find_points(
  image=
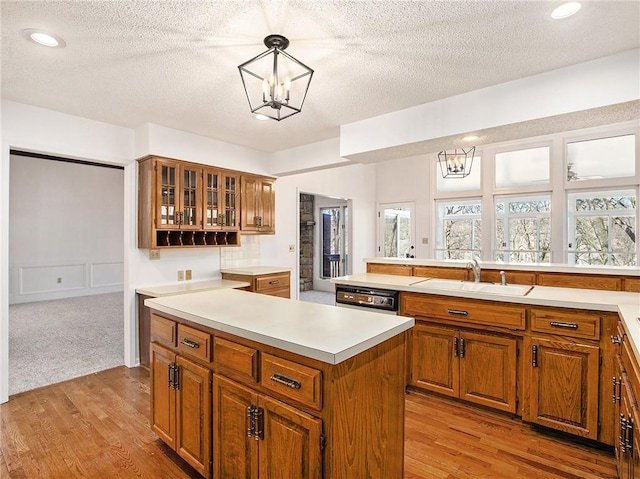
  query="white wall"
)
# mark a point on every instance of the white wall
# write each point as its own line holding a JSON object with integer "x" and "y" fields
{"x": 407, "y": 180}
{"x": 357, "y": 182}
{"x": 65, "y": 229}
{"x": 602, "y": 82}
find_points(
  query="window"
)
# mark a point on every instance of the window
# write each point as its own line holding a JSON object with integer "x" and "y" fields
{"x": 468, "y": 183}
{"x": 601, "y": 158}
{"x": 523, "y": 229}
{"x": 522, "y": 167}
{"x": 459, "y": 229}
{"x": 602, "y": 228}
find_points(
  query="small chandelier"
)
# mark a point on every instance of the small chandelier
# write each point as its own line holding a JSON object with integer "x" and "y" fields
{"x": 457, "y": 163}
{"x": 276, "y": 84}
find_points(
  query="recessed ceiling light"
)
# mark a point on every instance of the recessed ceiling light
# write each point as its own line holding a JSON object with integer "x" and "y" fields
{"x": 43, "y": 38}
{"x": 260, "y": 117}
{"x": 565, "y": 10}
{"x": 471, "y": 138}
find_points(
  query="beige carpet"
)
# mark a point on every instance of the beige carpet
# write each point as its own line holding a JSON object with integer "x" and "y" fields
{"x": 52, "y": 341}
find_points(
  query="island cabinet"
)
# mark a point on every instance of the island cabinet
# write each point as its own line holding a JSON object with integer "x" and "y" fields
{"x": 272, "y": 413}
{"x": 465, "y": 362}
{"x": 625, "y": 385}
{"x": 258, "y": 204}
{"x": 181, "y": 392}
{"x": 270, "y": 283}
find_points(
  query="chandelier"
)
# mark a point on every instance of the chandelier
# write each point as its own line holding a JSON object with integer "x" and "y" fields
{"x": 276, "y": 84}
{"x": 456, "y": 163}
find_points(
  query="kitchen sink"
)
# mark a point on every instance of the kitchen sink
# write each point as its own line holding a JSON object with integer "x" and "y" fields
{"x": 488, "y": 288}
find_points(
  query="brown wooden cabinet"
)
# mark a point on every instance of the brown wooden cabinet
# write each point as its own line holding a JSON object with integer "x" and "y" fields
{"x": 257, "y": 213}
{"x": 477, "y": 367}
{"x": 180, "y": 206}
{"x": 256, "y": 436}
{"x": 276, "y": 414}
{"x": 181, "y": 406}
{"x": 563, "y": 384}
{"x": 272, "y": 284}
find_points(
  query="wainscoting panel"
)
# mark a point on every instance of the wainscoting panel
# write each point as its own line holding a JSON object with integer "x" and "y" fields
{"x": 106, "y": 274}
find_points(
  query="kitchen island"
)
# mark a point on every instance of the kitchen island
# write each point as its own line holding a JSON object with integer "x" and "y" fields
{"x": 248, "y": 385}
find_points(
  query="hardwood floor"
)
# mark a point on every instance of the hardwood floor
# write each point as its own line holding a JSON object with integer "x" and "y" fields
{"x": 97, "y": 426}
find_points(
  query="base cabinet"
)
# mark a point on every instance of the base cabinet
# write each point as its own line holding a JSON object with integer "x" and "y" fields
{"x": 181, "y": 406}
{"x": 563, "y": 385}
{"x": 476, "y": 367}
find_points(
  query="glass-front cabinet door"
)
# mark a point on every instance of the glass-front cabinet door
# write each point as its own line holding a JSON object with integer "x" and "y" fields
{"x": 168, "y": 212}
{"x": 189, "y": 211}
{"x": 230, "y": 201}
{"x": 220, "y": 200}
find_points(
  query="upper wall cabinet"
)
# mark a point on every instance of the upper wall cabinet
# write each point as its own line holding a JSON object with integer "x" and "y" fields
{"x": 257, "y": 205}
{"x": 183, "y": 204}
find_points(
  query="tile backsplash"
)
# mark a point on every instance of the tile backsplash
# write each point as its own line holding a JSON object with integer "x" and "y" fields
{"x": 247, "y": 254}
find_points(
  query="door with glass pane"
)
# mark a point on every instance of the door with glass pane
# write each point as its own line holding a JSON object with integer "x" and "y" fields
{"x": 396, "y": 230}
{"x": 333, "y": 241}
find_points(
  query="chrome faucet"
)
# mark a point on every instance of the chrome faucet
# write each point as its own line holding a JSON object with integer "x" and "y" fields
{"x": 475, "y": 266}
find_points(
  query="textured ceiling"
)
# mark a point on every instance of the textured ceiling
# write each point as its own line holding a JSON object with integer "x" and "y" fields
{"x": 175, "y": 63}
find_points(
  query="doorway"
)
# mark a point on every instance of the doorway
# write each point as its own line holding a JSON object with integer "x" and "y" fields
{"x": 324, "y": 245}
{"x": 396, "y": 230}
{"x": 66, "y": 269}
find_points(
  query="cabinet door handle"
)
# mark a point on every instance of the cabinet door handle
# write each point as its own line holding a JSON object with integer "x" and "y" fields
{"x": 561, "y": 324}
{"x": 176, "y": 376}
{"x": 455, "y": 347}
{"x": 629, "y": 435}
{"x": 170, "y": 374}
{"x": 275, "y": 281}
{"x": 617, "y": 386}
{"x": 287, "y": 381}
{"x": 259, "y": 432}
{"x": 616, "y": 339}
{"x": 190, "y": 342}
{"x": 251, "y": 419}
{"x": 462, "y": 347}
{"x": 458, "y": 312}
{"x": 622, "y": 440}
{"x": 534, "y": 356}
{"x": 258, "y": 221}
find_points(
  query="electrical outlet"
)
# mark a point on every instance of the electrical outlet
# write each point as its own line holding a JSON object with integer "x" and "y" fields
{"x": 59, "y": 280}
{"x": 154, "y": 254}
{"x": 425, "y": 240}
{"x": 187, "y": 275}
{"x": 292, "y": 248}
{"x": 181, "y": 275}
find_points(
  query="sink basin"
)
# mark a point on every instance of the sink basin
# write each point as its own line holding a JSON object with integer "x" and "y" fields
{"x": 488, "y": 288}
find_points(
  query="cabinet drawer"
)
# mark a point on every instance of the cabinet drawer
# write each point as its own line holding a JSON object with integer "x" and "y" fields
{"x": 236, "y": 359}
{"x": 163, "y": 330}
{"x": 466, "y": 311}
{"x": 293, "y": 380}
{"x": 264, "y": 284}
{"x": 193, "y": 342}
{"x": 577, "y": 324}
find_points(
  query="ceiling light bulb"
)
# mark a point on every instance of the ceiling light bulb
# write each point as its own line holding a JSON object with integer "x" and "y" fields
{"x": 565, "y": 10}
{"x": 260, "y": 117}
{"x": 43, "y": 38}
{"x": 470, "y": 138}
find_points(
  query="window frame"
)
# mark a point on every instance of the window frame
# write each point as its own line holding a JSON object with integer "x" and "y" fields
{"x": 440, "y": 204}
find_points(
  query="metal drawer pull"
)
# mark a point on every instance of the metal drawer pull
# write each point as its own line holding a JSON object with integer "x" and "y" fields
{"x": 616, "y": 339}
{"x": 289, "y": 382}
{"x": 459, "y": 312}
{"x": 191, "y": 343}
{"x": 275, "y": 281}
{"x": 560, "y": 324}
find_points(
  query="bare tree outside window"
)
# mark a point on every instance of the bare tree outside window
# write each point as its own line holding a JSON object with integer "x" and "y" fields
{"x": 460, "y": 230}
{"x": 603, "y": 228}
{"x": 523, "y": 230}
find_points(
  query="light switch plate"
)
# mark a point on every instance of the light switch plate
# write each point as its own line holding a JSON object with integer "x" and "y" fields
{"x": 187, "y": 275}
{"x": 181, "y": 275}
{"x": 292, "y": 248}
{"x": 425, "y": 240}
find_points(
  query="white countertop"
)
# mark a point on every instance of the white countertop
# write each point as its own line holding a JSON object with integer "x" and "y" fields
{"x": 626, "y": 304}
{"x": 256, "y": 270}
{"x": 541, "y": 267}
{"x": 317, "y": 331}
{"x": 185, "y": 287}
